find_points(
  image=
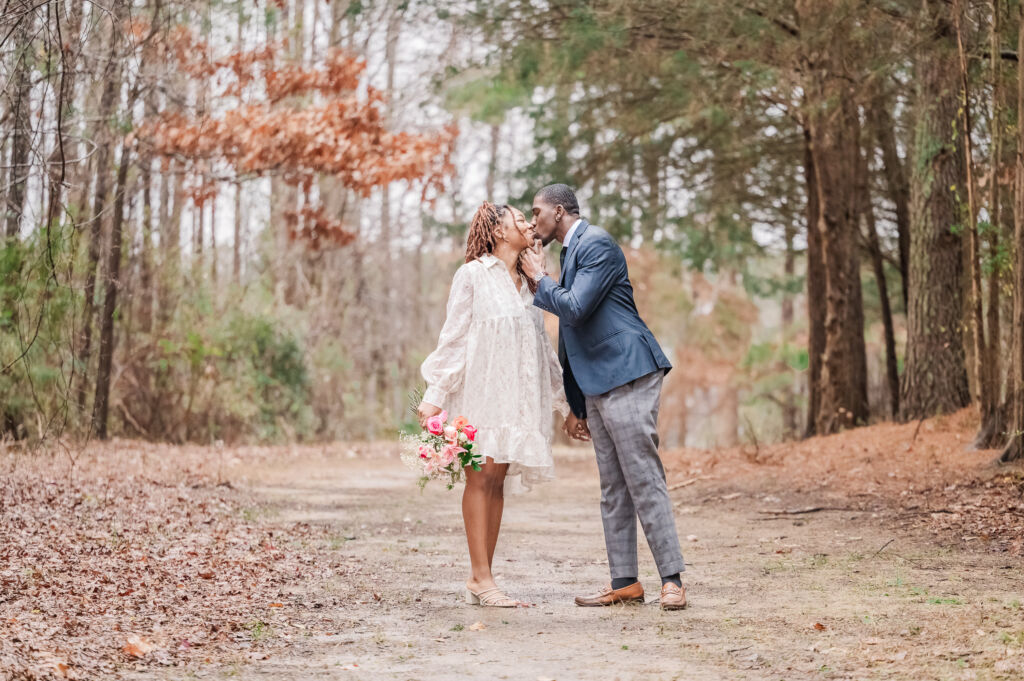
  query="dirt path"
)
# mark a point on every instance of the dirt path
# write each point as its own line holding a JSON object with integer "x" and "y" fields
{"x": 793, "y": 597}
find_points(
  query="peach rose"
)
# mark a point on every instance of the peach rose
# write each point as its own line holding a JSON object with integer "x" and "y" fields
{"x": 460, "y": 422}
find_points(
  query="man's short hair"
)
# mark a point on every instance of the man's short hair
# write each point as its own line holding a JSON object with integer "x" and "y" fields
{"x": 560, "y": 195}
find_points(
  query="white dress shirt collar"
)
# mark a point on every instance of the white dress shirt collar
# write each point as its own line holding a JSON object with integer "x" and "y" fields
{"x": 572, "y": 230}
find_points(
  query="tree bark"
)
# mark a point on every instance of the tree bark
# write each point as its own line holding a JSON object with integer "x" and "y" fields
{"x": 815, "y": 284}
{"x": 20, "y": 111}
{"x": 993, "y": 426}
{"x": 104, "y": 143}
{"x": 789, "y": 414}
{"x": 878, "y": 265}
{"x": 835, "y": 146}
{"x": 935, "y": 377}
{"x": 897, "y": 186}
{"x": 979, "y": 353}
{"x": 101, "y": 402}
{"x": 1014, "y": 450}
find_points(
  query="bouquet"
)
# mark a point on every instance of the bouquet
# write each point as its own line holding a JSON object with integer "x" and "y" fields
{"x": 442, "y": 451}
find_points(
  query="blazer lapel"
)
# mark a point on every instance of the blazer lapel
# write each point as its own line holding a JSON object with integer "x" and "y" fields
{"x": 570, "y": 247}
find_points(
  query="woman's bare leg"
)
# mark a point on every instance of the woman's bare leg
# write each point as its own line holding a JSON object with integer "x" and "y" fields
{"x": 477, "y": 500}
{"x": 497, "y": 505}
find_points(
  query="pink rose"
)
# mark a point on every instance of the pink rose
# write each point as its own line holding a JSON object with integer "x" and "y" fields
{"x": 470, "y": 432}
{"x": 435, "y": 425}
{"x": 426, "y": 452}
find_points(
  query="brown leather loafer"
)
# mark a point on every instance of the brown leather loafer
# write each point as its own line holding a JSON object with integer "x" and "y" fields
{"x": 634, "y": 593}
{"x": 673, "y": 597}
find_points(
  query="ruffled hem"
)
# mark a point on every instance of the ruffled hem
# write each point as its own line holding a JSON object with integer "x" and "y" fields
{"x": 528, "y": 454}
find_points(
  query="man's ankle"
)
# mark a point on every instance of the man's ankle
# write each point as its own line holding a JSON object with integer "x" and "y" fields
{"x": 675, "y": 579}
{"x": 622, "y": 582}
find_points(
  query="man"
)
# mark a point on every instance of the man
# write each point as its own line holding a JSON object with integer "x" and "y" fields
{"x": 612, "y": 369}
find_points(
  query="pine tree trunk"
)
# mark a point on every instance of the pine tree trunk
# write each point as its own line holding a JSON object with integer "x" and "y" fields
{"x": 104, "y": 144}
{"x": 815, "y": 284}
{"x": 20, "y": 110}
{"x": 897, "y": 186}
{"x": 993, "y": 425}
{"x": 979, "y": 346}
{"x": 789, "y": 426}
{"x": 1015, "y": 447}
{"x": 878, "y": 265}
{"x": 101, "y": 404}
{"x": 835, "y": 147}
{"x": 935, "y": 376}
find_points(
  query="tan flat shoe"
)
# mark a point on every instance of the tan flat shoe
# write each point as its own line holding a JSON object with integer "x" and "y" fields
{"x": 491, "y": 598}
{"x": 634, "y": 593}
{"x": 673, "y": 597}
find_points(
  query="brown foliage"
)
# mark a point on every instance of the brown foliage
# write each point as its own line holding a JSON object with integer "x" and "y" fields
{"x": 297, "y": 122}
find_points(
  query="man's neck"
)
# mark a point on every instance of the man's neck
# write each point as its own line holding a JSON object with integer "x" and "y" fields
{"x": 563, "y": 228}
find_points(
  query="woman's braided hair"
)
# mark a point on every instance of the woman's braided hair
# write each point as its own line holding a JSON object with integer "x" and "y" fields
{"x": 482, "y": 236}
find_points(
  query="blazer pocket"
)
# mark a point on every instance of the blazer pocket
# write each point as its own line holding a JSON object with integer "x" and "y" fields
{"x": 608, "y": 346}
{"x": 604, "y": 338}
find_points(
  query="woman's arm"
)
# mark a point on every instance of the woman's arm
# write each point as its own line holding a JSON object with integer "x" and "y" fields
{"x": 558, "y": 401}
{"x": 445, "y": 367}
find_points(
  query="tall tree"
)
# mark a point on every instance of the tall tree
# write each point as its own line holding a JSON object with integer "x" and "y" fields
{"x": 101, "y": 403}
{"x": 19, "y": 107}
{"x": 935, "y": 377}
{"x": 104, "y": 139}
{"x": 1014, "y": 450}
{"x": 833, "y": 125}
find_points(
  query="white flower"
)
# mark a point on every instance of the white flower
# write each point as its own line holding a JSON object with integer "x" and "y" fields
{"x": 449, "y": 433}
{"x": 463, "y": 439}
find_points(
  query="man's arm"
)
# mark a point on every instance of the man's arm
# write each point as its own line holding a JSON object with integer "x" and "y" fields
{"x": 595, "y": 275}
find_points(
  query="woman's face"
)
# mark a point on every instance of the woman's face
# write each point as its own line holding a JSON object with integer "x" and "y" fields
{"x": 518, "y": 231}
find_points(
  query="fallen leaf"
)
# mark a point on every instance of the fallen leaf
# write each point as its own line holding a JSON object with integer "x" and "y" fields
{"x": 137, "y": 646}
{"x": 819, "y": 626}
{"x": 477, "y": 626}
{"x": 277, "y": 605}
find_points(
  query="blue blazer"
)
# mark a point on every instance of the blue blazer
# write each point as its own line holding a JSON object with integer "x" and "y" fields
{"x": 602, "y": 342}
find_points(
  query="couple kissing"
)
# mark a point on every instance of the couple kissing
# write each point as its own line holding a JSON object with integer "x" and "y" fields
{"x": 495, "y": 365}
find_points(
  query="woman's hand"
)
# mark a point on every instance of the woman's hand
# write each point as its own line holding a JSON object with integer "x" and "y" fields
{"x": 576, "y": 428}
{"x": 532, "y": 260}
{"x": 425, "y": 411}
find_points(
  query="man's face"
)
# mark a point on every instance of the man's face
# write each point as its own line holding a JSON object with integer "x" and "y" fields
{"x": 545, "y": 219}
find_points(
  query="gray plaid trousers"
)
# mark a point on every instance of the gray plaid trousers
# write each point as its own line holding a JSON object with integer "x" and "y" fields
{"x": 624, "y": 428}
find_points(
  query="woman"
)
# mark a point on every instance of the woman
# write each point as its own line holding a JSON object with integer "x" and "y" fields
{"x": 495, "y": 365}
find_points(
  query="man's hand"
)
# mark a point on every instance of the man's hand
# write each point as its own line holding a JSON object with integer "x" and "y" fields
{"x": 576, "y": 428}
{"x": 425, "y": 411}
{"x": 533, "y": 263}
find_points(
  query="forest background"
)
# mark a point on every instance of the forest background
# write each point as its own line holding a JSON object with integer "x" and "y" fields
{"x": 237, "y": 221}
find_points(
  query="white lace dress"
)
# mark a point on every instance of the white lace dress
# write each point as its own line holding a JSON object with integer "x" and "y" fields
{"x": 494, "y": 364}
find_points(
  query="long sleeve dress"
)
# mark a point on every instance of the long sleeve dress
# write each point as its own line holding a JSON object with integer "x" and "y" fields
{"x": 494, "y": 364}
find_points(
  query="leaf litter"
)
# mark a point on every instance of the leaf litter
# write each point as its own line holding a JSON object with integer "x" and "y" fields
{"x": 141, "y": 555}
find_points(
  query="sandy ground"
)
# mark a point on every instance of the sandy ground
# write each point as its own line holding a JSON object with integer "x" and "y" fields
{"x": 824, "y": 595}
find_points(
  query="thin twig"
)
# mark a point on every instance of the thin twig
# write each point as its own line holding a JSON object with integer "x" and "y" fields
{"x": 883, "y": 547}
